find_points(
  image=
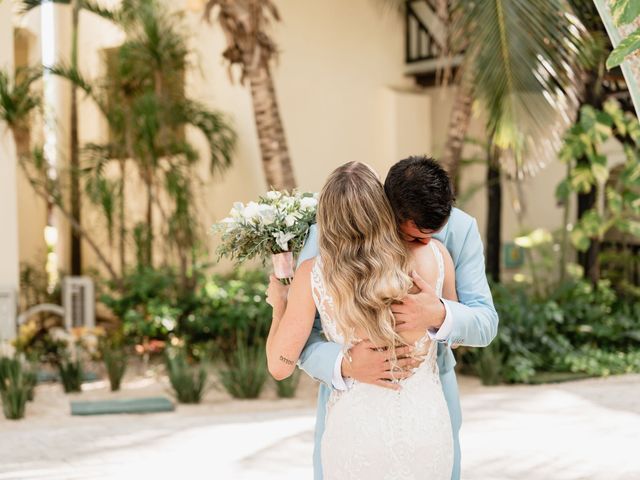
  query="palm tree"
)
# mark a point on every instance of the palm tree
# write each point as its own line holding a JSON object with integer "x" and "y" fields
{"x": 74, "y": 155}
{"x": 245, "y": 24}
{"x": 521, "y": 62}
{"x": 18, "y": 103}
{"x": 144, "y": 104}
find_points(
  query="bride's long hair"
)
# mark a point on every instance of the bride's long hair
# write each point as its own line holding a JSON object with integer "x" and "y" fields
{"x": 364, "y": 261}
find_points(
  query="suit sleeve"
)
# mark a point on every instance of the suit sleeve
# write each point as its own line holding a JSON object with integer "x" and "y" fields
{"x": 474, "y": 317}
{"x": 318, "y": 358}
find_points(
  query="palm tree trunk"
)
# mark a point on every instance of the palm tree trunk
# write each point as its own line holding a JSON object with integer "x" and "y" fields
{"x": 494, "y": 213}
{"x": 74, "y": 160}
{"x": 149, "y": 237}
{"x": 459, "y": 121}
{"x": 589, "y": 259}
{"x": 22, "y": 139}
{"x": 273, "y": 145}
{"x": 102, "y": 258}
{"x": 121, "y": 217}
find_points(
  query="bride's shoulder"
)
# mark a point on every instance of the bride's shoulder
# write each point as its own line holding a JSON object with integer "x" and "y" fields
{"x": 306, "y": 266}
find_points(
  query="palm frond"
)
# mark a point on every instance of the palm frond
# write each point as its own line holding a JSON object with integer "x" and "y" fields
{"x": 524, "y": 58}
{"x": 79, "y": 80}
{"x": 28, "y": 5}
{"x": 17, "y": 98}
{"x": 107, "y": 13}
{"x": 220, "y": 136}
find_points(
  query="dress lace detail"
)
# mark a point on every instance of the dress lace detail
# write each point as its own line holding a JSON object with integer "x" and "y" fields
{"x": 376, "y": 433}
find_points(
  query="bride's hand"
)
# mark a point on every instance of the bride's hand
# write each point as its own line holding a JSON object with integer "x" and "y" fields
{"x": 277, "y": 293}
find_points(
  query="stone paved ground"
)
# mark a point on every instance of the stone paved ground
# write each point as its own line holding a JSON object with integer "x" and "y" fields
{"x": 586, "y": 430}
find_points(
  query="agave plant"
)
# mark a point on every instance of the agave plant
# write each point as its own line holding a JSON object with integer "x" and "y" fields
{"x": 188, "y": 381}
{"x": 287, "y": 388}
{"x": 115, "y": 361}
{"x": 246, "y": 370}
{"x": 16, "y": 387}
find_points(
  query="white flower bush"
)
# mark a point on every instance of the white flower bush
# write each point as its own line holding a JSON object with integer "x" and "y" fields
{"x": 278, "y": 222}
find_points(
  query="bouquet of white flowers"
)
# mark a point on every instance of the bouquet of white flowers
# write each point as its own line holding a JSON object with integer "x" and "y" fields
{"x": 276, "y": 225}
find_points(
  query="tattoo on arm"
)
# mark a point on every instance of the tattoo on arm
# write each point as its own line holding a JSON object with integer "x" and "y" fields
{"x": 286, "y": 360}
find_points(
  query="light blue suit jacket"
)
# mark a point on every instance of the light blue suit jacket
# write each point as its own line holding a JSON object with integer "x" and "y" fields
{"x": 475, "y": 323}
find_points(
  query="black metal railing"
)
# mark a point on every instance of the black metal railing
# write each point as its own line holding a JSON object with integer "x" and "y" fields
{"x": 420, "y": 44}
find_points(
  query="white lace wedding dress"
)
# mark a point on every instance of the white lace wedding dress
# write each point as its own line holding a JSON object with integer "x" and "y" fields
{"x": 377, "y": 433}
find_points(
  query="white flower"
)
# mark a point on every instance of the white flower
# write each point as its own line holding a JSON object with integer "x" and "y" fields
{"x": 273, "y": 195}
{"x": 236, "y": 211}
{"x": 282, "y": 239}
{"x": 60, "y": 335}
{"x": 308, "y": 203}
{"x": 267, "y": 214}
{"x": 288, "y": 202}
{"x": 251, "y": 211}
{"x": 290, "y": 220}
{"x": 6, "y": 349}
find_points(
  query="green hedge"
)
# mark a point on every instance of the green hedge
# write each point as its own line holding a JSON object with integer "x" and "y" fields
{"x": 578, "y": 328}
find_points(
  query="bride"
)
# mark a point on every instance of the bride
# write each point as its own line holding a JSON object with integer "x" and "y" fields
{"x": 363, "y": 267}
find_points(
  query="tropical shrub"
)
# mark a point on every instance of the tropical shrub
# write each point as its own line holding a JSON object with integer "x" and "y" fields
{"x": 287, "y": 388}
{"x": 245, "y": 372}
{"x": 577, "y": 328}
{"x": 188, "y": 381}
{"x": 17, "y": 384}
{"x": 230, "y": 307}
{"x": 115, "y": 359}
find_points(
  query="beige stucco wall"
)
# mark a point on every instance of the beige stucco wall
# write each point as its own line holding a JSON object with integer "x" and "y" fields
{"x": 8, "y": 187}
{"x": 343, "y": 96}
{"x": 341, "y": 87}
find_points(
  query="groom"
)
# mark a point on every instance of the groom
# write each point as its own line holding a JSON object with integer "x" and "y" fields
{"x": 420, "y": 194}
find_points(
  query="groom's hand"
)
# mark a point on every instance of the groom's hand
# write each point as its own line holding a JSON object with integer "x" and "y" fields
{"x": 420, "y": 311}
{"x": 368, "y": 364}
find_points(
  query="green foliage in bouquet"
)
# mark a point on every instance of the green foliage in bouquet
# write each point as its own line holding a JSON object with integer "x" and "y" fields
{"x": 277, "y": 223}
{"x": 188, "y": 381}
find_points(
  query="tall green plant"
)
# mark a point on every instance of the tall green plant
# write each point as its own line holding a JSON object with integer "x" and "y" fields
{"x": 246, "y": 371}
{"x": 520, "y": 61}
{"x": 147, "y": 111}
{"x": 621, "y": 208}
{"x": 250, "y": 45}
{"x": 74, "y": 146}
{"x": 188, "y": 381}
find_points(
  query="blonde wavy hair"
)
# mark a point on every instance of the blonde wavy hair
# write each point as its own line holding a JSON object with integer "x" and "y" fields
{"x": 364, "y": 261}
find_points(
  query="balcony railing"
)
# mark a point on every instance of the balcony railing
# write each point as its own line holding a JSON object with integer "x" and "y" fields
{"x": 425, "y": 40}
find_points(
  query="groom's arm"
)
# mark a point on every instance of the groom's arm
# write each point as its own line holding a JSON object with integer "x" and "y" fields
{"x": 320, "y": 358}
{"x": 472, "y": 320}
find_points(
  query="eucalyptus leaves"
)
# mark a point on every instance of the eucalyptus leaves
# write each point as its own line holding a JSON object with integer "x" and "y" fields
{"x": 278, "y": 222}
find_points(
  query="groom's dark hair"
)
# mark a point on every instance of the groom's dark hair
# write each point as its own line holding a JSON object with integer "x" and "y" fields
{"x": 419, "y": 189}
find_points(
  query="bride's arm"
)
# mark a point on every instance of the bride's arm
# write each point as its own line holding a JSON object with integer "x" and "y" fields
{"x": 293, "y": 315}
